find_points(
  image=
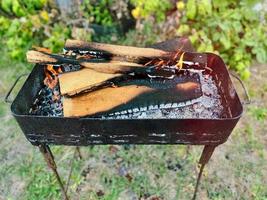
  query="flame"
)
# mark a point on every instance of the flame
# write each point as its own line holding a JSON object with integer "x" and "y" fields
{"x": 160, "y": 62}
{"x": 180, "y": 62}
{"x": 51, "y": 75}
{"x": 54, "y": 70}
{"x": 51, "y": 82}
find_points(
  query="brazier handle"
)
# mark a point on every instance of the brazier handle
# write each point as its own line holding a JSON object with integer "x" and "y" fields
{"x": 7, "y": 100}
{"x": 248, "y": 100}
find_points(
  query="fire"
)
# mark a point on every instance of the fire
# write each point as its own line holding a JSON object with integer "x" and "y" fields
{"x": 180, "y": 62}
{"x": 51, "y": 75}
{"x": 50, "y": 82}
{"x": 161, "y": 62}
{"x": 54, "y": 70}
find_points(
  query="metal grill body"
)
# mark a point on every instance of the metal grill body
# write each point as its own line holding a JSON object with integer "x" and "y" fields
{"x": 43, "y": 130}
{"x": 87, "y": 131}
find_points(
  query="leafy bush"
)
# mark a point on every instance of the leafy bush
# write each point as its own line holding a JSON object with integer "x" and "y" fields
{"x": 98, "y": 11}
{"x": 59, "y": 33}
{"x": 144, "y": 9}
{"x": 21, "y": 8}
{"x": 26, "y": 23}
{"x": 231, "y": 28}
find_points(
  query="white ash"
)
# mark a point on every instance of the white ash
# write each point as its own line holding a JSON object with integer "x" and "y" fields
{"x": 208, "y": 106}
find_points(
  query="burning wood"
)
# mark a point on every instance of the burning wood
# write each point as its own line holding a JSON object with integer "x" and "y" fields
{"x": 97, "y": 65}
{"x": 130, "y": 95}
{"x": 111, "y": 66}
{"x": 90, "y": 90}
{"x": 132, "y": 54}
{"x": 144, "y": 56}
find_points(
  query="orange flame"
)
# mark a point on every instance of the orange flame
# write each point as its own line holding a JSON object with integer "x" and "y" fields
{"x": 54, "y": 70}
{"x": 160, "y": 62}
{"x": 51, "y": 76}
{"x": 180, "y": 62}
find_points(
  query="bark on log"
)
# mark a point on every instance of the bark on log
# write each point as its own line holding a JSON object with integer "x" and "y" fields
{"x": 94, "y": 64}
{"x": 164, "y": 50}
{"x": 116, "y": 50}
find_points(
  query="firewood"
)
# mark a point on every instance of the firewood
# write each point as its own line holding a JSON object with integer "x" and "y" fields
{"x": 164, "y": 50}
{"x": 116, "y": 50}
{"x": 129, "y": 96}
{"x": 73, "y": 83}
{"x": 94, "y": 64}
{"x": 144, "y": 55}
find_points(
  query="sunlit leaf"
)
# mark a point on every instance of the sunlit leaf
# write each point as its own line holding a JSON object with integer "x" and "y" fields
{"x": 261, "y": 55}
{"x": 225, "y": 41}
{"x": 191, "y": 9}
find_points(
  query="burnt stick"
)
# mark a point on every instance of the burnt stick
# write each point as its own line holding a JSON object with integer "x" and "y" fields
{"x": 94, "y": 64}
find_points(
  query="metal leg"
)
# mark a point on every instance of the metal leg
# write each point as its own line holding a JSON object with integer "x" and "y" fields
{"x": 49, "y": 158}
{"x": 79, "y": 152}
{"x": 205, "y": 156}
{"x": 76, "y": 151}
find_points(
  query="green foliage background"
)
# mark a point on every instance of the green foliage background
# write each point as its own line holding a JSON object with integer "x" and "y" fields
{"x": 229, "y": 28}
{"x": 233, "y": 29}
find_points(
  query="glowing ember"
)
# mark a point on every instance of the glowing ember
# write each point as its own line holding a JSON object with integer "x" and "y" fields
{"x": 51, "y": 82}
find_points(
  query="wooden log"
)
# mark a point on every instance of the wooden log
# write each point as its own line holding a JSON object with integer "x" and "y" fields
{"x": 129, "y": 96}
{"x": 97, "y": 65}
{"x": 162, "y": 51}
{"x": 101, "y": 100}
{"x": 84, "y": 80}
{"x": 116, "y": 50}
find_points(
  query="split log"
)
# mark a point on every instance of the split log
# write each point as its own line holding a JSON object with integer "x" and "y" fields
{"x": 186, "y": 60}
{"x": 134, "y": 54}
{"x": 143, "y": 55}
{"x": 87, "y": 80}
{"x": 84, "y": 80}
{"x": 116, "y": 50}
{"x": 94, "y": 64}
{"x": 130, "y": 95}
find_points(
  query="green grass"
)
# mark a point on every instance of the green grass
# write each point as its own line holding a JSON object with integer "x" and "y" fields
{"x": 238, "y": 169}
{"x": 258, "y": 113}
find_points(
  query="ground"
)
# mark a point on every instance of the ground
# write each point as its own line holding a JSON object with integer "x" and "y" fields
{"x": 237, "y": 170}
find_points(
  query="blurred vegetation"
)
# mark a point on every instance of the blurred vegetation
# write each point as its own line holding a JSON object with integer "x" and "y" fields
{"x": 236, "y": 30}
{"x": 229, "y": 28}
{"x": 98, "y": 12}
{"x": 145, "y": 9}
